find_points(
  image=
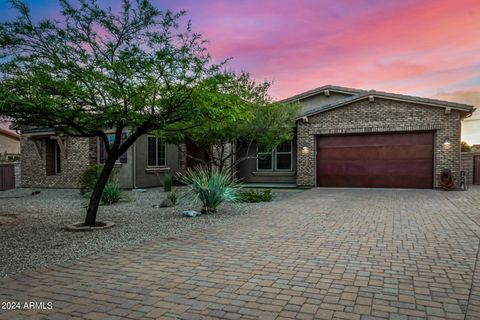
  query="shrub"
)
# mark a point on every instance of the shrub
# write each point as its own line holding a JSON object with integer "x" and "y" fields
{"x": 173, "y": 197}
{"x": 89, "y": 178}
{"x": 167, "y": 182}
{"x": 465, "y": 147}
{"x": 211, "y": 187}
{"x": 112, "y": 193}
{"x": 255, "y": 196}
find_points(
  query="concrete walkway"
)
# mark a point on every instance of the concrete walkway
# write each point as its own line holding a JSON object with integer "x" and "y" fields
{"x": 322, "y": 254}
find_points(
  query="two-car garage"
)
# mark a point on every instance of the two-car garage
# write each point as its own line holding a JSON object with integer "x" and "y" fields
{"x": 371, "y": 139}
{"x": 388, "y": 160}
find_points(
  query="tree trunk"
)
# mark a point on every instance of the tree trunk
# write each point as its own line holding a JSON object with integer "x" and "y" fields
{"x": 96, "y": 196}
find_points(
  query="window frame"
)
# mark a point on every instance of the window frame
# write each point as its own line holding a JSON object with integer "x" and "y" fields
{"x": 271, "y": 161}
{"x": 157, "y": 139}
{"x": 274, "y": 161}
{"x": 283, "y": 152}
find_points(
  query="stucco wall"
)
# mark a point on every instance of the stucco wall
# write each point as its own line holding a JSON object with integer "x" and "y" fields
{"x": 9, "y": 145}
{"x": 321, "y": 99}
{"x": 153, "y": 176}
{"x": 381, "y": 115}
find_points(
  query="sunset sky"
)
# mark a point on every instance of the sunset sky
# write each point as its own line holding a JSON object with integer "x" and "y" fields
{"x": 428, "y": 48}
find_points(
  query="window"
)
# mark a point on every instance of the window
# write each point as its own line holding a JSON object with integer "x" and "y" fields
{"x": 279, "y": 159}
{"x": 53, "y": 157}
{"x": 283, "y": 156}
{"x": 264, "y": 159}
{"x": 111, "y": 139}
{"x": 156, "y": 152}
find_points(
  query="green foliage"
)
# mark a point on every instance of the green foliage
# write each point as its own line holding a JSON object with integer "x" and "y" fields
{"x": 173, "y": 196}
{"x": 255, "y": 196}
{"x": 94, "y": 68}
{"x": 141, "y": 68}
{"x": 255, "y": 118}
{"x": 112, "y": 193}
{"x": 465, "y": 147}
{"x": 167, "y": 182}
{"x": 89, "y": 178}
{"x": 211, "y": 187}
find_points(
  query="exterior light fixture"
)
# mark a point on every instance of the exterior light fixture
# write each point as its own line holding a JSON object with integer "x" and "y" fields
{"x": 446, "y": 143}
{"x": 305, "y": 150}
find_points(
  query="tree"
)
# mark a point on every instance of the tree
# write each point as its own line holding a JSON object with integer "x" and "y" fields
{"x": 139, "y": 70}
{"x": 465, "y": 147}
{"x": 262, "y": 121}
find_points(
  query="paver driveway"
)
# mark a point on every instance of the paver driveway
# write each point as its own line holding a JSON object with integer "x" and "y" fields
{"x": 324, "y": 253}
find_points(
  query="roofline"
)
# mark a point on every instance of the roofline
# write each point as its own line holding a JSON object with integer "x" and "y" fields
{"x": 10, "y": 133}
{"x": 423, "y": 101}
{"x": 38, "y": 132}
{"x": 318, "y": 90}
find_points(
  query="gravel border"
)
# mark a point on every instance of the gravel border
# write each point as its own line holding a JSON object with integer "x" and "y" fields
{"x": 38, "y": 238}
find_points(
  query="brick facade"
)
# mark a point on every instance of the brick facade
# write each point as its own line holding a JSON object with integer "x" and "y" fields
{"x": 80, "y": 152}
{"x": 381, "y": 115}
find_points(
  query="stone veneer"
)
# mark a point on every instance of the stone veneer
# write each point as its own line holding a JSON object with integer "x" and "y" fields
{"x": 80, "y": 152}
{"x": 381, "y": 115}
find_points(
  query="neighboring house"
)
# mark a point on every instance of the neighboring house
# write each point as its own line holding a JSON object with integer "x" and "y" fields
{"x": 471, "y": 128}
{"x": 475, "y": 147}
{"x": 9, "y": 145}
{"x": 344, "y": 138}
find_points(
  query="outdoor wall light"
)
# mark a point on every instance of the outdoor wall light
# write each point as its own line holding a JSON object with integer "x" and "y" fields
{"x": 305, "y": 150}
{"x": 446, "y": 143}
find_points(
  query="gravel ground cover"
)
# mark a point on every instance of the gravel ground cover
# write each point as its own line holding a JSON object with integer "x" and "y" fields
{"x": 32, "y": 231}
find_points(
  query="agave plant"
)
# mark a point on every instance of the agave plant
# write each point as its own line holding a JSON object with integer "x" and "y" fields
{"x": 210, "y": 186}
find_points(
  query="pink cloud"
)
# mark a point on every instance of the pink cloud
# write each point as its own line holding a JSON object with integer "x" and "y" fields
{"x": 409, "y": 46}
{"x": 394, "y": 45}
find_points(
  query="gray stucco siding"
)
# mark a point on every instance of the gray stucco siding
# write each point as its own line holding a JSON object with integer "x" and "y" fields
{"x": 147, "y": 176}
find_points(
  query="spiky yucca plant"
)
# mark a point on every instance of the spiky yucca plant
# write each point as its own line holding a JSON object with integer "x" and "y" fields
{"x": 210, "y": 186}
{"x": 112, "y": 193}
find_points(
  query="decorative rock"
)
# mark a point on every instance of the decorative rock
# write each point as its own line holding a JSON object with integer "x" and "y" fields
{"x": 166, "y": 203}
{"x": 191, "y": 213}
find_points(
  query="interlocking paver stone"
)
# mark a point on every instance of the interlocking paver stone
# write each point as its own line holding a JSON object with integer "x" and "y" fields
{"x": 323, "y": 253}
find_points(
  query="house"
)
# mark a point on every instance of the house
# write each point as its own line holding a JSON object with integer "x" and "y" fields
{"x": 9, "y": 145}
{"x": 344, "y": 138}
{"x": 53, "y": 160}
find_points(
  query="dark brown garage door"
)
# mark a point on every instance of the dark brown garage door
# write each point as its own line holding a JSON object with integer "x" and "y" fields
{"x": 400, "y": 160}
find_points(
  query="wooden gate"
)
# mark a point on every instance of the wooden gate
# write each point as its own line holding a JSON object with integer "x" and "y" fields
{"x": 7, "y": 176}
{"x": 476, "y": 170}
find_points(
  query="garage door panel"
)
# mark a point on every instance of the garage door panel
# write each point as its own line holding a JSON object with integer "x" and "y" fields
{"x": 419, "y": 138}
{"x": 376, "y": 167}
{"x": 380, "y": 181}
{"x": 403, "y": 160}
{"x": 373, "y": 153}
